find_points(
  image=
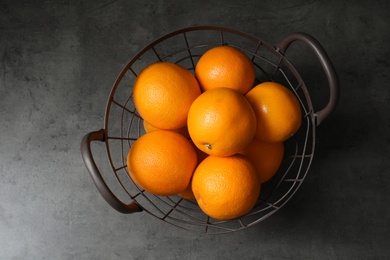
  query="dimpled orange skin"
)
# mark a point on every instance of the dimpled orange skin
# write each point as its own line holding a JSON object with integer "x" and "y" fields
{"x": 163, "y": 93}
{"x": 162, "y": 162}
{"x": 277, "y": 110}
{"x": 226, "y": 187}
{"x": 221, "y": 122}
{"x": 225, "y": 66}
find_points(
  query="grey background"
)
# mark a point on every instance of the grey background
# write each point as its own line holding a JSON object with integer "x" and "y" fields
{"x": 58, "y": 61}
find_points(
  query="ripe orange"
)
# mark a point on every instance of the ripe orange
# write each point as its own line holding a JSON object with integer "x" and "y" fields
{"x": 225, "y": 66}
{"x": 221, "y": 122}
{"x": 226, "y": 187}
{"x": 277, "y": 110}
{"x": 149, "y": 128}
{"x": 163, "y": 93}
{"x": 266, "y": 157}
{"x": 188, "y": 193}
{"x": 200, "y": 154}
{"x": 162, "y": 162}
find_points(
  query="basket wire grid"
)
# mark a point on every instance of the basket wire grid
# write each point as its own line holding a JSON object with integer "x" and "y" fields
{"x": 123, "y": 125}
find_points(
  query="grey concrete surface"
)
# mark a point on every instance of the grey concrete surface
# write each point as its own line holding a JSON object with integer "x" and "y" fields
{"x": 58, "y": 61}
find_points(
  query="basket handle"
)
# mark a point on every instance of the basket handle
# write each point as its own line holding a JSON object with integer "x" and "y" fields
{"x": 326, "y": 64}
{"x": 97, "y": 178}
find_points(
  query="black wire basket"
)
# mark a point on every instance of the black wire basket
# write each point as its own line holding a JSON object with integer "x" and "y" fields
{"x": 123, "y": 125}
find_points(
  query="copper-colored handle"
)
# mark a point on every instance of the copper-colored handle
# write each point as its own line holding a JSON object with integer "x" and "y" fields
{"x": 326, "y": 64}
{"x": 97, "y": 178}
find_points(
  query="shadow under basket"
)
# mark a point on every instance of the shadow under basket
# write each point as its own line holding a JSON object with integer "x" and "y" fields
{"x": 123, "y": 125}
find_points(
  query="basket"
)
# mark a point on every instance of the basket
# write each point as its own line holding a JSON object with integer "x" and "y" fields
{"x": 123, "y": 125}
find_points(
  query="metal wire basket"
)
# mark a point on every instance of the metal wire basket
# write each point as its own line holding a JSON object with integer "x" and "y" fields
{"x": 123, "y": 125}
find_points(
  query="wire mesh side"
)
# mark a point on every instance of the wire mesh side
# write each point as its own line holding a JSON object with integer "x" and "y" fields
{"x": 123, "y": 126}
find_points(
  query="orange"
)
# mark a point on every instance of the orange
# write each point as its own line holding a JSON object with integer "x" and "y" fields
{"x": 277, "y": 110}
{"x": 221, "y": 122}
{"x": 226, "y": 187}
{"x": 266, "y": 157}
{"x": 188, "y": 193}
{"x": 199, "y": 153}
{"x": 163, "y": 93}
{"x": 225, "y": 66}
{"x": 149, "y": 128}
{"x": 162, "y": 162}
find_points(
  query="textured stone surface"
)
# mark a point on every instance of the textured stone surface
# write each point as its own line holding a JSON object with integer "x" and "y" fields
{"x": 58, "y": 62}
